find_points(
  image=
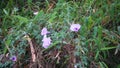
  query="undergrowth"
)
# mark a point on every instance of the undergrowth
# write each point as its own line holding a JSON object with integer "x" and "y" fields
{"x": 95, "y": 45}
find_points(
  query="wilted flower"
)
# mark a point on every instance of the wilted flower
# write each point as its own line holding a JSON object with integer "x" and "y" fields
{"x": 44, "y": 31}
{"x": 35, "y": 13}
{"x": 46, "y": 41}
{"x": 13, "y": 58}
{"x": 75, "y": 27}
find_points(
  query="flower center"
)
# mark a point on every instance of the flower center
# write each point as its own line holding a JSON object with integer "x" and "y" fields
{"x": 76, "y": 28}
{"x": 13, "y": 58}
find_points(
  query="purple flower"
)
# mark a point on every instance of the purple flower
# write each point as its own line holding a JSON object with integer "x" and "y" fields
{"x": 44, "y": 31}
{"x": 13, "y": 58}
{"x": 75, "y": 27}
{"x": 46, "y": 41}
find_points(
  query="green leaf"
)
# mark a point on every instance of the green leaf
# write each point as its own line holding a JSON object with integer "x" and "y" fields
{"x": 7, "y": 42}
{"x": 97, "y": 54}
{"x": 40, "y": 15}
{"x": 107, "y": 48}
{"x": 21, "y": 19}
{"x": 52, "y": 17}
{"x": 103, "y": 65}
{"x": 5, "y": 12}
{"x": 118, "y": 30}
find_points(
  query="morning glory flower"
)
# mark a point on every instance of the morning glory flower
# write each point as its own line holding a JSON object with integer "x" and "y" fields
{"x": 75, "y": 27}
{"x": 13, "y": 58}
{"x": 46, "y": 41}
{"x": 44, "y": 31}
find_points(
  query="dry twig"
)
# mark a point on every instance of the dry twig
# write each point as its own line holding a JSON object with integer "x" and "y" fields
{"x": 31, "y": 47}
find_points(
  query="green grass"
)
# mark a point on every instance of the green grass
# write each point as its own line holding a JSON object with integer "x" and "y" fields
{"x": 96, "y": 43}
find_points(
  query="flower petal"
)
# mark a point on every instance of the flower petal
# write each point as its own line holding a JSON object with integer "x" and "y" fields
{"x": 75, "y": 27}
{"x": 44, "y": 31}
{"x": 46, "y": 42}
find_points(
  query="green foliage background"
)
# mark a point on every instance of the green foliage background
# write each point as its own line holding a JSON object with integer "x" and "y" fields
{"x": 99, "y": 34}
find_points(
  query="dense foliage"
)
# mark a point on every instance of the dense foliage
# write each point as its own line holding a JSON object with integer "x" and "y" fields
{"x": 95, "y": 45}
